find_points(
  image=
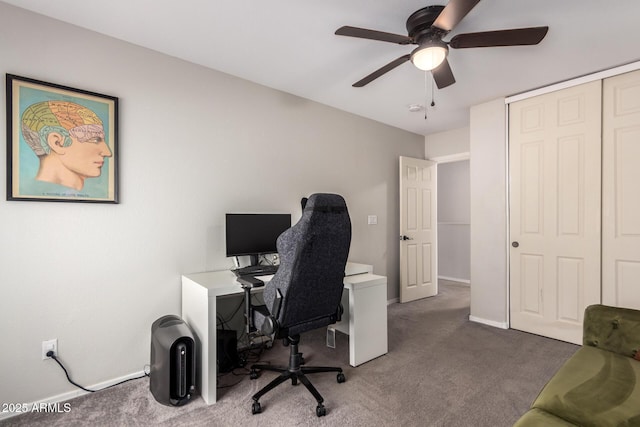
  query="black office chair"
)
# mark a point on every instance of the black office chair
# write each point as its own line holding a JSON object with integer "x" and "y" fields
{"x": 306, "y": 291}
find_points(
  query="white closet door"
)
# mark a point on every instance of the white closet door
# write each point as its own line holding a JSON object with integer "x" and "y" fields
{"x": 555, "y": 201}
{"x": 621, "y": 191}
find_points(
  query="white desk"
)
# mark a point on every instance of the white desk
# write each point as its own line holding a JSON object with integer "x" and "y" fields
{"x": 365, "y": 320}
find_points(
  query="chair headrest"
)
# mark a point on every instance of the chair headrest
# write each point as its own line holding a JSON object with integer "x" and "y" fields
{"x": 325, "y": 202}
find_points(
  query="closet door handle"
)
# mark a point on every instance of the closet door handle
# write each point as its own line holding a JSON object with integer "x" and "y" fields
{"x": 515, "y": 244}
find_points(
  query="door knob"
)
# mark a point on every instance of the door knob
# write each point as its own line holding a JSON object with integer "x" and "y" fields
{"x": 515, "y": 244}
{"x": 403, "y": 237}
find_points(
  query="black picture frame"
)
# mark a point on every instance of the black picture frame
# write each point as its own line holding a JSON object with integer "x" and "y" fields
{"x": 62, "y": 143}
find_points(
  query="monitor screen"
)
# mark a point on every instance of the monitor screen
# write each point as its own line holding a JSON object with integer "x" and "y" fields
{"x": 253, "y": 234}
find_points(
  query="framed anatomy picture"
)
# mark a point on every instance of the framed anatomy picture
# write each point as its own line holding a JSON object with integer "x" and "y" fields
{"x": 62, "y": 143}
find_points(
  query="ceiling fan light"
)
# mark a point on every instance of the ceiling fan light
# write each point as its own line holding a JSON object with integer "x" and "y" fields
{"x": 429, "y": 55}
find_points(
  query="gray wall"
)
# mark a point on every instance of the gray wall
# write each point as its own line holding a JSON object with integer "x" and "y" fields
{"x": 485, "y": 141}
{"x": 194, "y": 144}
{"x": 489, "y": 213}
{"x": 442, "y": 144}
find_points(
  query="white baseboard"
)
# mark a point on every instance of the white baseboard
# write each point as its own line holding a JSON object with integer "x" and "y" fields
{"x": 393, "y": 301}
{"x": 455, "y": 279}
{"x": 501, "y": 325}
{"x": 49, "y": 404}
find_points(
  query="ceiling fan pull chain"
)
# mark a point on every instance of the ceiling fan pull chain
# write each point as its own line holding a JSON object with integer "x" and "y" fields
{"x": 433, "y": 92}
{"x": 426, "y": 85}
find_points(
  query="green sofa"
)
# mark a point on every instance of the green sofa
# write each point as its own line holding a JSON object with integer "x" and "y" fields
{"x": 600, "y": 384}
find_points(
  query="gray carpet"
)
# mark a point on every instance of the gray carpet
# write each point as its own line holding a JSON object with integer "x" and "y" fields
{"x": 441, "y": 370}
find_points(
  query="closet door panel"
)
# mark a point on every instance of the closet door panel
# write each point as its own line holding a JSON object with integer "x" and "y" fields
{"x": 555, "y": 163}
{"x": 621, "y": 191}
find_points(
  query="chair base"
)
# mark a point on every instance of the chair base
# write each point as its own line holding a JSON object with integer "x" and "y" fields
{"x": 294, "y": 372}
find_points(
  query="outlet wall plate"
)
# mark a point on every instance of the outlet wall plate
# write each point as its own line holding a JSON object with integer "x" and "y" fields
{"x": 331, "y": 337}
{"x": 49, "y": 345}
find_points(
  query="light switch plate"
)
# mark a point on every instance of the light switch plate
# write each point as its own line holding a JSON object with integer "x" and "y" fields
{"x": 372, "y": 219}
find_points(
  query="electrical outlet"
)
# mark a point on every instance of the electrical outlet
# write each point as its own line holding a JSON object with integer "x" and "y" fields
{"x": 331, "y": 337}
{"x": 50, "y": 345}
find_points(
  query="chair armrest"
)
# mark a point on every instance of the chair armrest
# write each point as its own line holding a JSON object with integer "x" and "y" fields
{"x": 250, "y": 282}
{"x": 613, "y": 329}
{"x": 263, "y": 318}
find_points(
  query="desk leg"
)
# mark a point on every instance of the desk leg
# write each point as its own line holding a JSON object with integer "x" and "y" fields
{"x": 199, "y": 311}
{"x": 367, "y": 324}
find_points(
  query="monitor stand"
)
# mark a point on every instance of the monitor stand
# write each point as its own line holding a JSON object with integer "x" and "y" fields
{"x": 254, "y": 260}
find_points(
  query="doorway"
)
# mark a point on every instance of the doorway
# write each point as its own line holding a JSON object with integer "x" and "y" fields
{"x": 454, "y": 245}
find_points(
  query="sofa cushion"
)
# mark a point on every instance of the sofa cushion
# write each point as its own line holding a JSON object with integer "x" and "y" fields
{"x": 537, "y": 417}
{"x": 613, "y": 328}
{"x": 594, "y": 388}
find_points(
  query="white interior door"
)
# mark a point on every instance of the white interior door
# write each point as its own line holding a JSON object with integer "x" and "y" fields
{"x": 621, "y": 191}
{"x": 555, "y": 207}
{"x": 418, "y": 229}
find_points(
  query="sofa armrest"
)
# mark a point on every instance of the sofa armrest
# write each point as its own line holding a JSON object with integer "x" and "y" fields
{"x": 613, "y": 329}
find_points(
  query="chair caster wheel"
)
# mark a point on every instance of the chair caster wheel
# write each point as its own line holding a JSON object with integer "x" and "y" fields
{"x": 256, "y": 408}
{"x": 341, "y": 378}
{"x": 253, "y": 374}
{"x": 321, "y": 411}
{"x": 294, "y": 381}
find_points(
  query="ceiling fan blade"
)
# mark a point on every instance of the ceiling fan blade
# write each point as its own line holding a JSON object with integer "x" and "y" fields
{"x": 515, "y": 37}
{"x": 364, "y": 33}
{"x": 453, "y": 13}
{"x": 442, "y": 75}
{"x": 379, "y": 72}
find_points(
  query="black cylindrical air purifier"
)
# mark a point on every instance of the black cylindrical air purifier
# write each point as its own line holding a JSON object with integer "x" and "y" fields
{"x": 173, "y": 361}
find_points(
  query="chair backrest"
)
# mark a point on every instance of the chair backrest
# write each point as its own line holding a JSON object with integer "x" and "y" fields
{"x": 313, "y": 255}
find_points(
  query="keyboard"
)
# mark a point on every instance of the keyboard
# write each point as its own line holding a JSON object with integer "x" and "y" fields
{"x": 256, "y": 270}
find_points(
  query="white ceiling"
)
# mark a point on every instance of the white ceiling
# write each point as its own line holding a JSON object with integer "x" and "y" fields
{"x": 290, "y": 45}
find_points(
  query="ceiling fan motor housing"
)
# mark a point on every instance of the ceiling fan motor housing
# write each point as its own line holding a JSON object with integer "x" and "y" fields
{"x": 419, "y": 25}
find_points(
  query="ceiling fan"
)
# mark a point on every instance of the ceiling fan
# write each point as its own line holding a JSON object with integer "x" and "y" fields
{"x": 427, "y": 27}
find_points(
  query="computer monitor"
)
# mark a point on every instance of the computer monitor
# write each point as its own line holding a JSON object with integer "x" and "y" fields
{"x": 254, "y": 234}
